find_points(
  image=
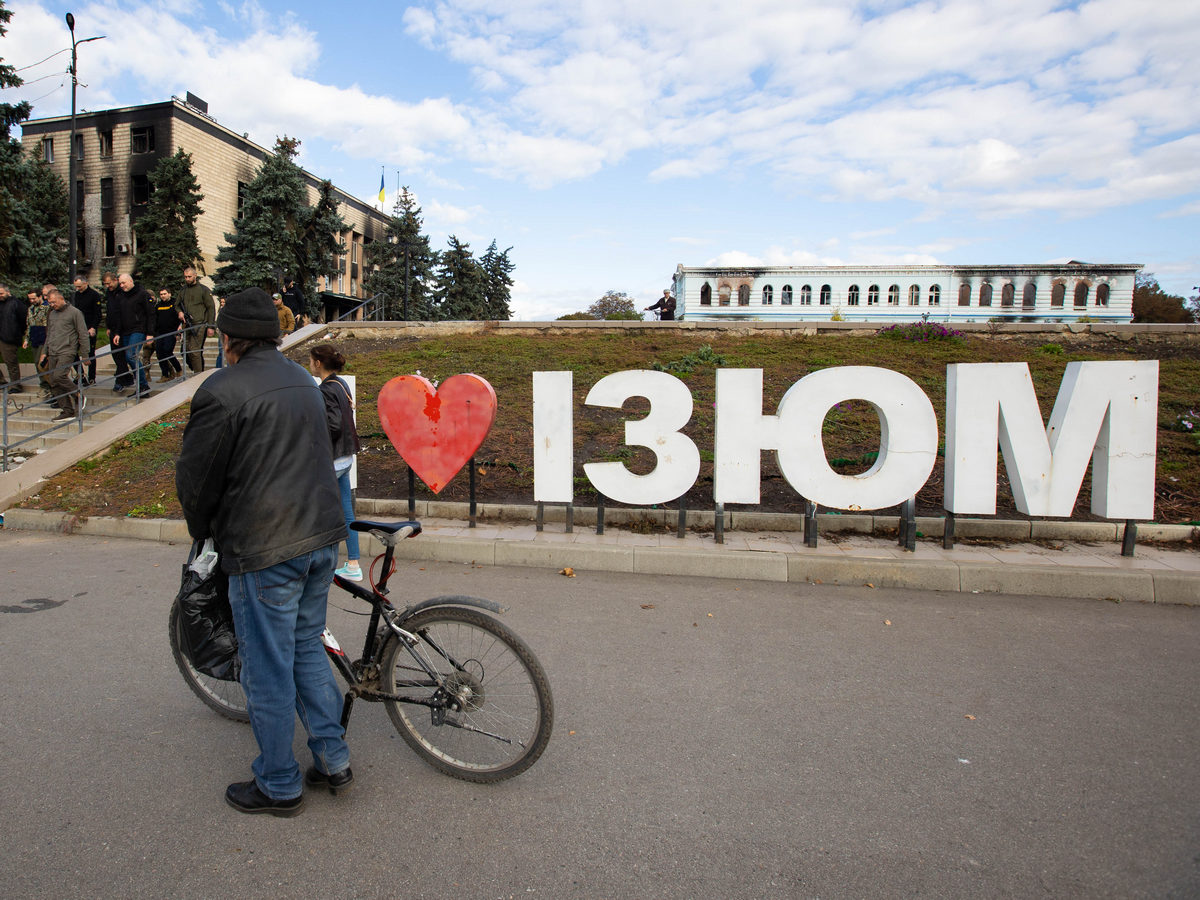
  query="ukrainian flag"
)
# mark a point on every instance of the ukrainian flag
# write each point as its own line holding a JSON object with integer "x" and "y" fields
{"x": 382, "y": 195}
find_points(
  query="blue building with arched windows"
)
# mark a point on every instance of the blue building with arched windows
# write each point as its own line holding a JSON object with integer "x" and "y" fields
{"x": 1061, "y": 292}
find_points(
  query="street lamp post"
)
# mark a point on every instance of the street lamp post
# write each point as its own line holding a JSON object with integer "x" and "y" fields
{"x": 73, "y": 202}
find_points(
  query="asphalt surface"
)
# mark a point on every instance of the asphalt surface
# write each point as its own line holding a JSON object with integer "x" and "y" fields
{"x": 713, "y": 738}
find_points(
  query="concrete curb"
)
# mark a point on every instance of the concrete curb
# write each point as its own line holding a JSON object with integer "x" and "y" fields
{"x": 1095, "y": 582}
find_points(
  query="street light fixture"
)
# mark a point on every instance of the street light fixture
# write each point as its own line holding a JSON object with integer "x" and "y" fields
{"x": 73, "y": 215}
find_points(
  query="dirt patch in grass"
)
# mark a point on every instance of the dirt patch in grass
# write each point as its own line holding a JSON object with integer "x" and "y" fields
{"x": 138, "y": 474}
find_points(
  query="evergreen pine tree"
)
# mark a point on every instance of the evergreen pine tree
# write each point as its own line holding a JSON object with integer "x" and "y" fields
{"x": 264, "y": 246}
{"x": 319, "y": 243}
{"x": 10, "y": 113}
{"x": 402, "y": 265}
{"x": 459, "y": 293}
{"x": 167, "y": 241}
{"x": 496, "y": 284}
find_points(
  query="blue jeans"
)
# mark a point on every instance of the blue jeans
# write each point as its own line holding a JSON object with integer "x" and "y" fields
{"x": 279, "y": 614}
{"x": 348, "y": 514}
{"x": 133, "y": 356}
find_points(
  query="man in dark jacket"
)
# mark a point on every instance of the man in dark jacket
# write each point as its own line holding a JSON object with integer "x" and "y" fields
{"x": 88, "y": 301}
{"x": 196, "y": 301}
{"x": 255, "y": 473}
{"x": 137, "y": 316}
{"x": 112, "y": 305}
{"x": 293, "y": 299}
{"x": 13, "y": 314}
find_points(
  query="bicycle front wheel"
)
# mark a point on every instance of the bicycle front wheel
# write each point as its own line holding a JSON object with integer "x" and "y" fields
{"x": 226, "y": 697}
{"x": 491, "y": 716}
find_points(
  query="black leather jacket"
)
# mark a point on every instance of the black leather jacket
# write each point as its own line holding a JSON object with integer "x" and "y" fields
{"x": 339, "y": 417}
{"x": 256, "y": 469}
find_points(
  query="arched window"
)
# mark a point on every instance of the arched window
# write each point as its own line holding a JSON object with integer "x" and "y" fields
{"x": 706, "y": 295}
{"x": 1008, "y": 294}
{"x": 1058, "y": 293}
{"x": 914, "y": 295}
{"x": 852, "y": 296}
{"x": 768, "y": 295}
{"x": 785, "y": 296}
{"x": 723, "y": 293}
{"x": 985, "y": 294}
{"x": 894, "y": 295}
{"x": 873, "y": 295}
{"x": 826, "y": 295}
{"x": 1081, "y": 293}
{"x": 1102, "y": 295}
{"x": 964, "y": 294}
{"x": 743, "y": 295}
{"x": 935, "y": 295}
{"x": 1029, "y": 295}
{"x": 806, "y": 295}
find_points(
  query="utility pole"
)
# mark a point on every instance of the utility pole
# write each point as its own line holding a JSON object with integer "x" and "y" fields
{"x": 73, "y": 200}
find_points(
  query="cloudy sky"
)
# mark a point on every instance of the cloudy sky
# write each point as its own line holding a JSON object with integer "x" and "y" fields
{"x": 606, "y": 141}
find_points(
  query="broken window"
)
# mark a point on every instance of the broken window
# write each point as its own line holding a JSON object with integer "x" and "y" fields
{"x": 139, "y": 190}
{"x": 785, "y": 296}
{"x": 1058, "y": 294}
{"x": 723, "y": 293}
{"x": 768, "y": 295}
{"x": 141, "y": 139}
{"x": 1102, "y": 295}
{"x": 105, "y": 142}
{"x": 1029, "y": 295}
{"x": 1008, "y": 294}
{"x": 705, "y": 295}
{"x": 743, "y": 295}
{"x": 1081, "y": 293}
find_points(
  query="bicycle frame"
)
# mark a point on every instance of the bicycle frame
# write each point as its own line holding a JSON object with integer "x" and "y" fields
{"x": 383, "y": 611}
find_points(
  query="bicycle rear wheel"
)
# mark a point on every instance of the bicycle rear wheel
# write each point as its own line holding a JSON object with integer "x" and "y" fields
{"x": 499, "y": 713}
{"x": 226, "y": 697}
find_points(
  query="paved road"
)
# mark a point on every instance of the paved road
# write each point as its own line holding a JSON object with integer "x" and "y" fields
{"x": 736, "y": 739}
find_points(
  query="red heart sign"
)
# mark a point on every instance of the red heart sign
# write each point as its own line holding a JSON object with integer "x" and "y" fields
{"x": 436, "y": 430}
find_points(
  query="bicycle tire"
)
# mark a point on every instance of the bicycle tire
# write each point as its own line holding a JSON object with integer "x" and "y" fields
{"x": 226, "y": 697}
{"x": 508, "y": 695}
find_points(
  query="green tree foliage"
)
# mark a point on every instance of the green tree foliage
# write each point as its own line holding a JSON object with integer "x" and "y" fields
{"x": 167, "y": 241}
{"x": 497, "y": 285}
{"x": 319, "y": 242}
{"x": 1152, "y": 304}
{"x": 265, "y": 245}
{"x": 459, "y": 294}
{"x": 33, "y": 200}
{"x": 615, "y": 306}
{"x": 402, "y": 266}
{"x": 10, "y": 113}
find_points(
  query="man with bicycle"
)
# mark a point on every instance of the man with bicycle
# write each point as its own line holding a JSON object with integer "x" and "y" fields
{"x": 255, "y": 473}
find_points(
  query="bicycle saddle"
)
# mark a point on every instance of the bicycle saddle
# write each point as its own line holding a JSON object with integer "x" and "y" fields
{"x": 387, "y": 527}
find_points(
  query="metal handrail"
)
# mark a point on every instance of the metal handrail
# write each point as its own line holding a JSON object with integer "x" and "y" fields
{"x": 31, "y": 383}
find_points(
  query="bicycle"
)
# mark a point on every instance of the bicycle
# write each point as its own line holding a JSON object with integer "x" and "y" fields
{"x": 489, "y": 708}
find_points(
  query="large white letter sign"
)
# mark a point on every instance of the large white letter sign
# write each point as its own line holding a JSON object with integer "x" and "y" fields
{"x": 553, "y": 437}
{"x": 678, "y": 460}
{"x": 1105, "y": 410}
{"x": 907, "y": 449}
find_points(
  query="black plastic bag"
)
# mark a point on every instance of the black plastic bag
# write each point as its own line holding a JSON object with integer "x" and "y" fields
{"x": 206, "y": 622}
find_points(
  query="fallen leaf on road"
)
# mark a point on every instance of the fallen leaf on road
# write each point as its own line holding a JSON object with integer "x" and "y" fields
{"x": 972, "y": 718}
{"x": 568, "y": 571}
{"x": 647, "y": 606}
{"x": 887, "y": 621}
{"x": 710, "y": 615}
{"x": 870, "y": 585}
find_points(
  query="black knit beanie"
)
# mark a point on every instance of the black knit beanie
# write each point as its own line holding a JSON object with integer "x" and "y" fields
{"x": 249, "y": 314}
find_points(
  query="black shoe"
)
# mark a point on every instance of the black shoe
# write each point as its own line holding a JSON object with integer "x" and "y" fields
{"x": 247, "y": 797}
{"x": 16, "y": 389}
{"x": 63, "y": 416}
{"x": 142, "y": 395}
{"x": 339, "y": 781}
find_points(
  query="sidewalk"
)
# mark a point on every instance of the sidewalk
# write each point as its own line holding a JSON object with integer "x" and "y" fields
{"x": 1069, "y": 568}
